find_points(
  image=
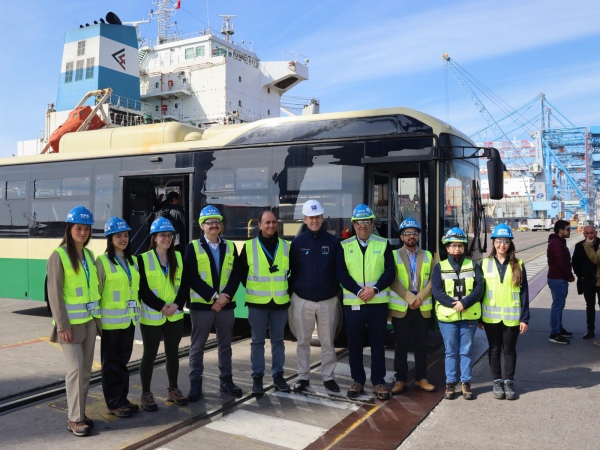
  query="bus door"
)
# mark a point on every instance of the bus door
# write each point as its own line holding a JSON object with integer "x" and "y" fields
{"x": 396, "y": 191}
{"x": 144, "y": 196}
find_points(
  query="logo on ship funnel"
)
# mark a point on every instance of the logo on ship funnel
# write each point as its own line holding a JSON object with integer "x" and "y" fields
{"x": 119, "y": 57}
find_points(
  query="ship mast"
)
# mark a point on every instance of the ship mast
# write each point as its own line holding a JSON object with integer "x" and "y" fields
{"x": 163, "y": 14}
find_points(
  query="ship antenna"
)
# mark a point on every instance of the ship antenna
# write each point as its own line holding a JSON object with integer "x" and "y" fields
{"x": 163, "y": 17}
{"x": 227, "y": 28}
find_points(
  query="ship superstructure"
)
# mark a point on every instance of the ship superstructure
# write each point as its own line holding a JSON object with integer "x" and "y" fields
{"x": 202, "y": 79}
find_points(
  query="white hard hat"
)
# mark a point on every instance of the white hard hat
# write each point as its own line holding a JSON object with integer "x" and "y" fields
{"x": 312, "y": 208}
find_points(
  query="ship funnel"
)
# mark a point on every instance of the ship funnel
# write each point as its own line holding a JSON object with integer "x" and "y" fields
{"x": 113, "y": 19}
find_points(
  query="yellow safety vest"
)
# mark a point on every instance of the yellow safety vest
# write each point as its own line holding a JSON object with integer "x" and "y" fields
{"x": 261, "y": 284}
{"x": 206, "y": 274}
{"x": 119, "y": 302}
{"x": 449, "y": 276}
{"x": 160, "y": 284}
{"x": 366, "y": 269}
{"x": 80, "y": 294}
{"x": 399, "y": 304}
{"x": 502, "y": 301}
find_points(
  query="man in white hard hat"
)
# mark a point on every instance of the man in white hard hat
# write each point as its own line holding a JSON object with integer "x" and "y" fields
{"x": 315, "y": 285}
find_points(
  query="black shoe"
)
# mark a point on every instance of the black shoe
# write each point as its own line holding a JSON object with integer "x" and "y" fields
{"x": 229, "y": 387}
{"x": 195, "y": 390}
{"x": 331, "y": 385}
{"x": 280, "y": 384}
{"x": 558, "y": 339}
{"x": 566, "y": 334}
{"x": 257, "y": 386}
{"x": 589, "y": 335}
{"x": 302, "y": 386}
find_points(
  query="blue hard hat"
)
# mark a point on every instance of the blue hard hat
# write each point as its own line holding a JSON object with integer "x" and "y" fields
{"x": 454, "y": 235}
{"x": 161, "y": 225}
{"x": 409, "y": 222}
{"x": 502, "y": 231}
{"x": 209, "y": 212}
{"x": 80, "y": 215}
{"x": 115, "y": 225}
{"x": 362, "y": 212}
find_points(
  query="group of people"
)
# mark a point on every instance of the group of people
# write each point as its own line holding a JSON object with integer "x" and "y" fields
{"x": 585, "y": 263}
{"x": 302, "y": 281}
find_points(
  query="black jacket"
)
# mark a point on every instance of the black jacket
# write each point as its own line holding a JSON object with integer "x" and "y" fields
{"x": 199, "y": 285}
{"x": 582, "y": 265}
{"x": 313, "y": 258}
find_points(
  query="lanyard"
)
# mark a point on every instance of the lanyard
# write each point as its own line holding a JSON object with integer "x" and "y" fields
{"x": 125, "y": 267}
{"x": 86, "y": 269}
{"x": 267, "y": 251}
{"x": 164, "y": 269}
{"x": 412, "y": 261}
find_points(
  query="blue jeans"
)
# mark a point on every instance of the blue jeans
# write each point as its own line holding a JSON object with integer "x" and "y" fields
{"x": 260, "y": 320}
{"x": 458, "y": 340}
{"x": 559, "y": 290}
{"x": 371, "y": 319}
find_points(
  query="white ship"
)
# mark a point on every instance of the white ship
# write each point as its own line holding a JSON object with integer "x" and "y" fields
{"x": 202, "y": 80}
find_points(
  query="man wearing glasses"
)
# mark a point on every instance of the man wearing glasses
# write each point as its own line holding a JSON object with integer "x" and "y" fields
{"x": 410, "y": 306}
{"x": 366, "y": 269}
{"x": 214, "y": 278}
{"x": 559, "y": 277}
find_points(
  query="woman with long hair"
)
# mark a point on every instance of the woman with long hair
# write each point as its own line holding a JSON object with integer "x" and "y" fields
{"x": 505, "y": 311}
{"x": 119, "y": 283}
{"x": 163, "y": 293}
{"x": 74, "y": 299}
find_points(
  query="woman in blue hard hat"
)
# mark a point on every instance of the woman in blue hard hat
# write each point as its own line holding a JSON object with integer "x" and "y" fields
{"x": 163, "y": 294}
{"x": 457, "y": 285}
{"x": 119, "y": 283}
{"x": 505, "y": 312}
{"x": 75, "y": 303}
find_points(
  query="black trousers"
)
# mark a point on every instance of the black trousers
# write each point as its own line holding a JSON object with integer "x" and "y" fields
{"x": 416, "y": 326}
{"x": 115, "y": 351}
{"x": 502, "y": 337}
{"x": 591, "y": 294}
{"x": 170, "y": 333}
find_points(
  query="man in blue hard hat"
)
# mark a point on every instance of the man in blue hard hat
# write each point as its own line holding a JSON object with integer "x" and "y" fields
{"x": 315, "y": 289}
{"x": 211, "y": 265}
{"x": 411, "y": 306}
{"x": 366, "y": 269}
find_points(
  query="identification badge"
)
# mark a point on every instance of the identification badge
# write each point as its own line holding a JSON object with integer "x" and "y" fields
{"x": 131, "y": 304}
{"x": 459, "y": 288}
{"x": 89, "y": 306}
{"x": 355, "y": 307}
{"x": 325, "y": 250}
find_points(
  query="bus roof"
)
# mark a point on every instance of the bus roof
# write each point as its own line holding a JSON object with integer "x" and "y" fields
{"x": 176, "y": 137}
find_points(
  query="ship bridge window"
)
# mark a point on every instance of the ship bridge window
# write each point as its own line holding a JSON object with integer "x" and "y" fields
{"x": 81, "y": 48}
{"x": 199, "y": 51}
{"x": 79, "y": 70}
{"x": 69, "y": 72}
{"x": 89, "y": 68}
{"x": 190, "y": 53}
{"x": 218, "y": 51}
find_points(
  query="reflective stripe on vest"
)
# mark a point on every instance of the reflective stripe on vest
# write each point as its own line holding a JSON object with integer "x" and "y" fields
{"x": 206, "y": 274}
{"x": 160, "y": 285}
{"x": 120, "y": 305}
{"x": 82, "y": 302}
{"x": 399, "y": 304}
{"x": 261, "y": 284}
{"x": 365, "y": 269}
{"x": 502, "y": 301}
{"x": 449, "y": 276}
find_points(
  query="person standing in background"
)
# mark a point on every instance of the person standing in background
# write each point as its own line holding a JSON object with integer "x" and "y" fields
{"x": 586, "y": 265}
{"x": 559, "y": 277}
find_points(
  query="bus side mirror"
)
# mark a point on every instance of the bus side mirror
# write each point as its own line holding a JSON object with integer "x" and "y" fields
{"x": 495, "y": 169}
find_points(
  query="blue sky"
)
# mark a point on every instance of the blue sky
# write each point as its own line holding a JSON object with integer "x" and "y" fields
{"x": 363, "y": 54}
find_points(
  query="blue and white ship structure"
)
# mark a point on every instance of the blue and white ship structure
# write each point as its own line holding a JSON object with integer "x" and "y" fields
{"x": 201, "y": 80}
